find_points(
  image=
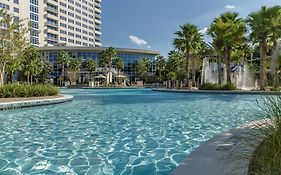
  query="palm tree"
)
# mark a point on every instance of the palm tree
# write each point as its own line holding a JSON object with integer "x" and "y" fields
{"x": 228, "y": 30}
{"x": 73, "y": 70}
{"x": 261, "y": 24}
{"x": 160, "y": 64}
{"x": 188, "y": 40}
{"x": 62, "y": 60}
{"x": 31, "y": 64}
{"x": 118, "y": 64}
{"x": 106, "y": 59}
{"x": 91, "y": 67}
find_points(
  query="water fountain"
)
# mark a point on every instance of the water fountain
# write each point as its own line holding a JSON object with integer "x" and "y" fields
{"x": 210, "y": 72}
{"x": 242, "y": 76}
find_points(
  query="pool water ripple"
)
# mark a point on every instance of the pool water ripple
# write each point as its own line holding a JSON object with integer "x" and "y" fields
{"x": 128, "y": 132}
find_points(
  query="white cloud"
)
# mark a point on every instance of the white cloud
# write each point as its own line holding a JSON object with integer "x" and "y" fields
{"x": 203, "y": 31}
{"x": 230, "y": 7}
{"x": 138, "y": 41}
{"x": 148, "y": 46}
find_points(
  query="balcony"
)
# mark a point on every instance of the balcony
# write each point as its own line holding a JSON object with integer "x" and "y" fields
{"x": 52, "y": 24}
{"x": 52, "y": 39}
{"x": 51, "y": 9}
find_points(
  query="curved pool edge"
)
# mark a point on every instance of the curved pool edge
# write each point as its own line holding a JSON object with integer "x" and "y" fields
{"x": 35, "y": 102}
{"x": 207, "y": 159}
{"x": 240, "y": 92}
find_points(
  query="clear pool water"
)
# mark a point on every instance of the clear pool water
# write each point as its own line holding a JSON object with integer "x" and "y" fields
{"x": 137, "y": 132}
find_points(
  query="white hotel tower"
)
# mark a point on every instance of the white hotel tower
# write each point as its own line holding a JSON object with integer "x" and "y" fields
{"x": 59, "y": 22}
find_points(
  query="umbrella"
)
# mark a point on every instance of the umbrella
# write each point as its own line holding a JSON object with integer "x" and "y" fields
{"x": 120, "y": 76}
{"x": 100, "y": 76}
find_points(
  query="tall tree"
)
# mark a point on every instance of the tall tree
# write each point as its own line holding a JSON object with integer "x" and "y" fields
{"x": 228, "y": 30}
{"x": 142, "y": 68}
{"x": 261, "y": 24}
{"x": 160, "y": 65}
{"x": 73, "y": 70}
{"x": 106, "y": 60}
{"x": 12, "y": 67}
{"x": 188, "y": 40}
{"x": 46, "y": 70}
{"x": 176, "y": 64}
{"x": 62, "y": 60}
{"x": 32, "y": 63}
{"x": 91, "y": 67}
{"x": 12, "y": 41}
{"x": 118, "y": 64}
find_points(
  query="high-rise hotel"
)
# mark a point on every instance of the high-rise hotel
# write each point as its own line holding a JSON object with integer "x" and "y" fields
{"x": 59, "y": 22}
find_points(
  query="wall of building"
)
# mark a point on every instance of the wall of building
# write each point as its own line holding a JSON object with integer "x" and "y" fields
{"x": 129, "y": 56}
{"x": 53, "y": 22}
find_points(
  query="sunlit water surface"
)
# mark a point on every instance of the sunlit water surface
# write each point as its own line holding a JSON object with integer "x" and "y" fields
{"x": 137, "y": 132}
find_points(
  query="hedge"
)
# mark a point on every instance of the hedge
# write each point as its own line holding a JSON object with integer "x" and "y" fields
{"x": 23, "y": 90}
{"x": 209, "y": 86}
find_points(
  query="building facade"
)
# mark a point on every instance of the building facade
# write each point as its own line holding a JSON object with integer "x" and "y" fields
{"x": 129, "y": 57}
{"x": 59, "y": 22}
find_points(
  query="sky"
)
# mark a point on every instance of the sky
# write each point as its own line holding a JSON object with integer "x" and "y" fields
{"x": 150, "y": 24}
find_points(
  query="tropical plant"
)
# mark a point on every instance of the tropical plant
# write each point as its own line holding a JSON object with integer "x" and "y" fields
{"x": 160, "y": 65}
{"x": 12, "y": 67}
{"x": 31, "y": 64}
{"x": 176, "y": 64}
{"x": 142, "y": 68}
{"x": 91, "y": 67}
{"x": 262, "y": 26}
{"x": 118, "y": 64}
{"x": 106, "y": 58}
{"x": 46, "y": 70}
{"x": 73, "y": 70}
{"x": 12, "y": 41}
{"x": 188, "y": 40}
{"x": 62, "y": 60}
{"x": 227, "y": 31}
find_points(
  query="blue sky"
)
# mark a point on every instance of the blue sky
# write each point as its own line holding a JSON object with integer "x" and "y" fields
{"x": 150, "y": 24}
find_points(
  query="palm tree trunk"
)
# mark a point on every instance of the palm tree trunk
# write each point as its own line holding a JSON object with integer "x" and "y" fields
{"x": 193, "y": 70}
{"x": 160, "y": 76}
{"x": 27, "y": 78}
{"x": 186, "y": 68}
{"x": 227, "y": 64}
{"x": 219, "y": 68}
{"x": 275, "y": 75}
{"x": 2, "y": 74}
{"x": 262, "y": 46}
{"x": 62, "y": 74}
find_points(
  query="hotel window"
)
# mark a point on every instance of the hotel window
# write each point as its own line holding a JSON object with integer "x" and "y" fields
{"x": 63, "y": 32}
{"x": 70, "y": 27}
{"x": 78, "y": 42}
{"x": 34, "y": 17}
{"x": 34, "y": 9}
{"x": 85, "y": 38}
{"x": 35, "y": 2}
{"x": 62, "y": 11}
{"x": 78, "y": 17}
{"x": 16, "y": 1}
{"x": 62, "y": 38}
{"x": 62, "y": 4}
{"x": 78, "y": 23}
{"x": 34, "y": 25}
{"x": 16, "y": 10}
{"x": 71, "y": 34}
{"x": 85, "y": 26}
{"x": 70, "y": 7}
{"x": 85, "y": 44}
{"x": 63, "y": 18}
{"x": 71, "y": 21}
{"x": 84, "y": 19}
{"x": 78, "y": 30}
{"x": 78, "y": 36}
{"x": 4, "y": 6}
{"x": 70, "y": 14}
{"x": 77, "y": 4}
{"x": 71, "y": 40}
{"x": 71, "y": 1}
{"x": 78, "y": 11}
{"x": 63, "y": 25}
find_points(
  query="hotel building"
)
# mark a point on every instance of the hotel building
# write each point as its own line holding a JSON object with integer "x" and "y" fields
{"x": 59, "y": 22}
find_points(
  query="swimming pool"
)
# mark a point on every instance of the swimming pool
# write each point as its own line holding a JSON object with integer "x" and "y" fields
{"x": 116, "y": 131}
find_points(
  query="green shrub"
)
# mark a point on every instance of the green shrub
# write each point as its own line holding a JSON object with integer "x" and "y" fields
{"x": 209, "y": 86}
{"x": 22, "y": 90}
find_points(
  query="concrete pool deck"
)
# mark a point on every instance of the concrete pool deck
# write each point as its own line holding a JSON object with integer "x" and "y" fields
{"x": 13, "y": 103}
{"x": 227, "y": 153}
{"x": 217, "y": 91}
